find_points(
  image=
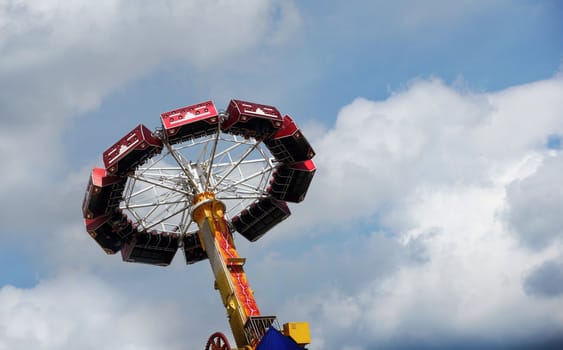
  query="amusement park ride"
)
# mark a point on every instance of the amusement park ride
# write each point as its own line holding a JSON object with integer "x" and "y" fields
{"x": 189, "y": 185}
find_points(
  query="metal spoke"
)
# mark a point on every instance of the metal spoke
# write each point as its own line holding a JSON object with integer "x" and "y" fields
{"x": 242, "y": 181}
{"x": 159, "y": 184}
{"x": 164, "y": 219}
{"x": 141, "y": 191}
{"x": 182, "y": 227}
{"x": 246, "y": 162}
{"x": 159, "y": 195}
{"x": 230, "y": 149}
{"x": 154, "y": 162}
{"x": 246, "y": 154}
{"x": 212, "y": 158}
{"x": 184, "y": 169}
{"x": 240, "y": 197}
{"x": 147, "y": 205}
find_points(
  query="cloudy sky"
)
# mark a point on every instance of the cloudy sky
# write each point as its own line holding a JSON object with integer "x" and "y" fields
{"x": 434, "y": 220}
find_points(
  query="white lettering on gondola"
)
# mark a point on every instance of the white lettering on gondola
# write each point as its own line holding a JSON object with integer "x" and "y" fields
{"x": 123, "y": 149}
{"x": 187, "y": 116}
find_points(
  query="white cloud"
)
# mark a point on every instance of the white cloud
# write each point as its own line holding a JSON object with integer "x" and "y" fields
{"x": 534, "y": 205}
{"x": 117, "y": 33}
{"x": 288, "y": 22}
{"x": 381, "y": 152}
{"x": 79, "y": 311}
{"x": 546, "y": 280}
{"x": 60, "y": 59}
{"x": 438, "y": 169}
{"x": 472, "y": 280}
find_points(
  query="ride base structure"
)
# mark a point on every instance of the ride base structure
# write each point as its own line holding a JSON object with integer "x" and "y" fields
{"x": 189, "y": 185}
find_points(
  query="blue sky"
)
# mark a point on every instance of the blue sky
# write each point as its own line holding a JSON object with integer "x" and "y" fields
{"x": 434, "y": 217}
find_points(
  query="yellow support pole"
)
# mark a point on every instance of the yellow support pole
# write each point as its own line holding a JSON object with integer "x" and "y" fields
{"x": 230, "y": 279}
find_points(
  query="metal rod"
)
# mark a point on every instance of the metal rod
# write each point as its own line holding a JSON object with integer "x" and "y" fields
{"x": 212, "y": 156}
{"x": 246, "y": 154}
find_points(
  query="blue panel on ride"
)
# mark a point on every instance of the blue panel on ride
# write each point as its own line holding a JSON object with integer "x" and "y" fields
{"x": 274, "y": 340}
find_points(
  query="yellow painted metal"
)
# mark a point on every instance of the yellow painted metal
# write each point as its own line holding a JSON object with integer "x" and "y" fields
{"x": 298, "y": 331}
{"x": 230, "y": 279}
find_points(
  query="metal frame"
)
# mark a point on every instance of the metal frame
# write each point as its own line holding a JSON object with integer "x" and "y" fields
{"x": 159, "y": 194}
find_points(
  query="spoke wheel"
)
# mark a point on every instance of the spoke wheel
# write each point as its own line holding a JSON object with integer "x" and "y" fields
{"x": 159, "y": 194}
{"x": 218, "y": 341}
{"x": 250, "y": 158}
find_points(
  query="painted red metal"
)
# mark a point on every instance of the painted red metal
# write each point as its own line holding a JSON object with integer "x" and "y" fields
{"x": 103, "y": 193}
{"x": 156, "y": 248}
{"x": 288, "y": 145}
{"x": 132, "y": 150}
{"x": 225, "y": 246}
{"x": 260, "y": 217}
{"x": 193, "y": 252}
{"x": 101, "y": 229}
{"x": 290, "y": 182}
{"x": 110, "y": 230}
{"x": 251, "y": 119}
{"x": 217, "y": 341}
{"x": 190, "y": 121}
